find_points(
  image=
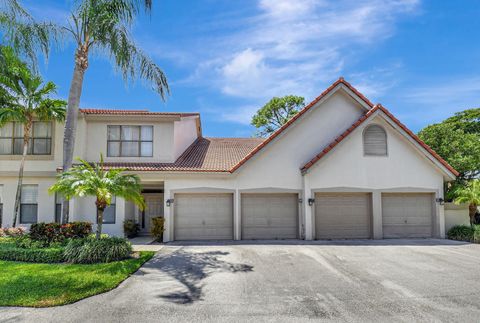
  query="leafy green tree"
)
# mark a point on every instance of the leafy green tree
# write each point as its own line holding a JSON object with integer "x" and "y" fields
{"x": 276, "y": 113}
{"x": 25, "y": 98}
{"x": 94, "y": 180}
{"x": 457, "y": 140}
{"x": 103, "y": 26}
{"x": 470, "y": 193}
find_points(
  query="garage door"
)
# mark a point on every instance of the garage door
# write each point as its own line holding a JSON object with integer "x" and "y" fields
{"x": 343, "y": 216}
{"x": 407, "y": 215}
{"x": 203, "y": 216}
{"x": 269, "y": 216}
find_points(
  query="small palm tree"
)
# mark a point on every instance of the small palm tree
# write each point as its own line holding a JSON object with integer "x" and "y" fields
{"x": 88, "y": 179}
{"x": 25, "y": 98}
{"x": 470, "y": 194}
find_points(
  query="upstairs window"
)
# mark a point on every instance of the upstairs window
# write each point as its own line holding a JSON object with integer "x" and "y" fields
{"x": 11, "y": 139}
{"x": 130, "y": 141}
{"x": 375, "y": 141}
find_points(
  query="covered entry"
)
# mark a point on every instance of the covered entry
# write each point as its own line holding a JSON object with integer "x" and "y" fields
{"x": 203, "y": 216}
{"x": 343, "y": 216}
{"x": 269, "y": 216}
{"x": 407, "y": 215}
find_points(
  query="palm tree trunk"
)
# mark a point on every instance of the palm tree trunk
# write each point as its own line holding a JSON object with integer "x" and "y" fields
{"x": 99, "y": 222}
{"x": 472, "y": 210}
{"x": 18, "y": 196}
{"x": 81, "y": 64}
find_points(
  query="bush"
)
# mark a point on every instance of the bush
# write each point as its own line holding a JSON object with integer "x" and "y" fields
{"x": 44, "y": 255}
{"x": 12, "y": 232}
{"x": 158, "y": 228}
{"x": 461, "y": 233}
{"x": 50, "y": 233}
{"x": 476, "y": 233}
{"x": 89, "y": 251}
{"x": 131, "y": 228}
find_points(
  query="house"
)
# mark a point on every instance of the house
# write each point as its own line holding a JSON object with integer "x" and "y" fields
{"x": 341, "y": 168}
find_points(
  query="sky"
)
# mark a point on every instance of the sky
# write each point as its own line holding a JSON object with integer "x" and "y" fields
{"x": 226, "y": 59}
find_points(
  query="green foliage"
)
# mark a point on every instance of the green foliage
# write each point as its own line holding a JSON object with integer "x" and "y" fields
{"x": 276, "y": 113}
{"x": 38, "y": 255}
{"x": 43, "y": 285}
{"x": 457, "y": 140}
{"x": 89, "y": 251}
{"x": 470, "y": 193}
{"x": 49, "y": 233}
{"x": 131, "y": 228}
{"x": 461, "y": 233}
{"x": 158, "y": 227}
{"x": 97, "y": 181}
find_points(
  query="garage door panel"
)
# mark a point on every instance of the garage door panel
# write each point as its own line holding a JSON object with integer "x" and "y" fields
{"x": 342, "y": 216}
{"x": 203, "y": 216}
{"x": 407, "y": 215}
{"x": 269, "y": 216}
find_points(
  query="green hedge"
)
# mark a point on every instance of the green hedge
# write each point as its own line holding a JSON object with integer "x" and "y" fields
{"x": 465, "y": 233}
{"x": 44, "y": 255}
{"x": 90, "y": 251}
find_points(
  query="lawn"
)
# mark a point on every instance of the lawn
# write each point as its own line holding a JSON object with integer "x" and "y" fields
{"x": 43, "y": 285}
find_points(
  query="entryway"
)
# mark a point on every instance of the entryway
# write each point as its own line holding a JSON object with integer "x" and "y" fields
{"x": 154, "y": 208}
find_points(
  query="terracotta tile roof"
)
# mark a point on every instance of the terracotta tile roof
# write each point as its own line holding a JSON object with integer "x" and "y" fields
{"x": 204, "y": 155}
{"x": 135, "y": 112}
{"x": 341, "y": 80}
{"x": 361, "y": 120}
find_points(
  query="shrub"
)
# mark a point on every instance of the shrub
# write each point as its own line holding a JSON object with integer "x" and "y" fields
{"x": 476, "y": 233}
{"x": 44, "y": 255}
{"x": 77, "y": 229}
{"x": 131, "y": 228}
{"x": 50, "y": 233}
{"x": 461, "y": 233}
{"x": 89, "y": 251}
{"x": 12, "y": 232}
{"x": 158, "y": 228}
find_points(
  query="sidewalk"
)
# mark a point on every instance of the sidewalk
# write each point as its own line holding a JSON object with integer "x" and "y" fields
{"x": 145, "y": 243}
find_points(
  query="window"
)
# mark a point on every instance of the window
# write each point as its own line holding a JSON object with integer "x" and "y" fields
{"x": 109, "y": 213}
{"x": 11, "y": 139}
{"x": 29, "y": 204}
{"x": 375, "y": 141}
{"x": 58, "y": 208}
{"x": 130, "y": 141}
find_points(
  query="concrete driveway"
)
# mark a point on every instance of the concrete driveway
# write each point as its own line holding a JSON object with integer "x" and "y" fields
{"x": 396, "y": 280}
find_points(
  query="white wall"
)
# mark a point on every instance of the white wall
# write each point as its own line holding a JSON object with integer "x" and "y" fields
{"x": 185, "y": 133}
{"x": 456, "y": 215}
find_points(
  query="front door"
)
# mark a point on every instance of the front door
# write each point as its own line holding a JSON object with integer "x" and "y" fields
{"x": 154, "y": 208}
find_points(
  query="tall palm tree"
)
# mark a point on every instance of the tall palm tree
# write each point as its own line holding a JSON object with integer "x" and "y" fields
{"x": 103, "y": 26}
{"x": 470, "y": 193}
{"x": 26, "y": 36}
{"x": 94, "y": 180}
{"x": 25, "y": 98}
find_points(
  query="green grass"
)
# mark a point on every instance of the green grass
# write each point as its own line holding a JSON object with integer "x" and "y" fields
{"x": 43, "y": 285}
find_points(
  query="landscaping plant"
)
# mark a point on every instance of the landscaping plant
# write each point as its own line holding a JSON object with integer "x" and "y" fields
{"x": 158, "y": 226}
{"x": 469, "y": 193}
{"x": 131, "y": 228}
{"x": 89, "y": 251}
{"x": 95, "y": 180}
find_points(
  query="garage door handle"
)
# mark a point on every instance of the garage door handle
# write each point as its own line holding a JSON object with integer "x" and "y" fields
{"x": 405, "y": 221}
{"x": 203, "y": 222}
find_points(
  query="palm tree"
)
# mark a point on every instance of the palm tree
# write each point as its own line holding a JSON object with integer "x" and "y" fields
{"x": 470, "y": 194}
{"x": 94, "y": 180}
{"x": 25, "y": 35}
{"x": 103, "y": 26}
{"x": 25, "y": 98}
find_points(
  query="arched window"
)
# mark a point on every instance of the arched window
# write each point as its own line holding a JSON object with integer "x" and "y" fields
{"x": 375, "y": 141}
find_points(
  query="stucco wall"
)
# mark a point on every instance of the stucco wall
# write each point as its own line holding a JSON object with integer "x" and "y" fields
{"x": 456, "y": 215}
{"x": 185, "y": 133}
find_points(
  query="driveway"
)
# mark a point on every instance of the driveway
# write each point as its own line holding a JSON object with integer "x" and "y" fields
{"x": 396, "y": 280}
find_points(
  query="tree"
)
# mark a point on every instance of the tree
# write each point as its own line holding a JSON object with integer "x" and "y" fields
{"x": 103, "y": 26}
{"x": 457, "y": 140}
{"x": 25, "y": 98}
{"x": 94, "y": 180}
{"x": 470, "y": 193}
{"x": 276, "y": 113}
{"x": 26, "y": 36}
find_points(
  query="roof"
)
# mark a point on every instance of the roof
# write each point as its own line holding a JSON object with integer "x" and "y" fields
{"x": 340, "y": 81}
{"x": 135, "y": 112}
{"x": 204, "y": 155}
{"x": 361, "y": 120}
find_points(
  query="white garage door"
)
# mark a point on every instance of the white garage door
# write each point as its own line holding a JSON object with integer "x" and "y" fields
{"x": 343, "y": 216}
{"x": 203, "y": 216}
{"x": 269, "y": 216}
{"x": 407, "y": 215}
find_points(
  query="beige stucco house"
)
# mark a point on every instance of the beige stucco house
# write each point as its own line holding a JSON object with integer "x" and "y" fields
{"x": 341, "y": 168}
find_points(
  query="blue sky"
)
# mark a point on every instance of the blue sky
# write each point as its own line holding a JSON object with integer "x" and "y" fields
{"x": 225, "y": 59}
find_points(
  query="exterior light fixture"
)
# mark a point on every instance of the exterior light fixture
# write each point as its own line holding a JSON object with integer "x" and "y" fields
{"x": 440, "y": 200}
{"x": 311, "y": 201}
{"x": 169, "y": 202}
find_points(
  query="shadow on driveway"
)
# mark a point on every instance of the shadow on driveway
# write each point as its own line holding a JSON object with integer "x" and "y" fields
{"x": 190, "y": 269}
